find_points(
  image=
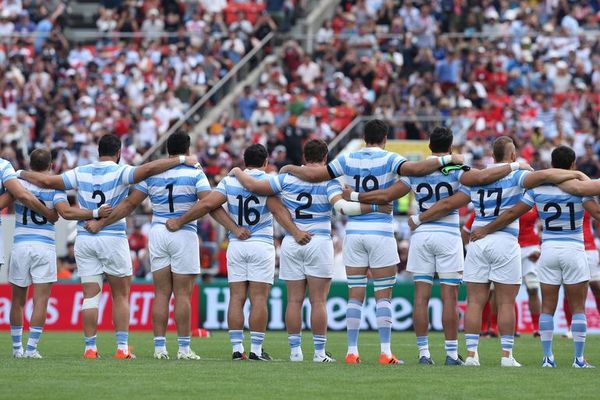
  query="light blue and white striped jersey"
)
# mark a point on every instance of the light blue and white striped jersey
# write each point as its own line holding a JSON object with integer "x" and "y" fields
{"x": 368, "y": 169}
{"x": 103, "y": 182}
{"x": 7, "y": 172}
{"x": 31, "y": 227}
{"x": 431, "y": 189}
{"x": 248, "y": 209}
{"x": 308, "y": 203}
{"x": 561, "y": 213}
{"x": 491, "y": 200}
{"x": 174, "y": 192}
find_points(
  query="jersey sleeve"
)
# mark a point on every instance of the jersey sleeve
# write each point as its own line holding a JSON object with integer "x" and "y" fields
{"x": 142, "y": 187}
{"x": 334, "y": 188}
{"x": 519, "y": 178}
{"x": 277, "y": 183}
{"x": 222, "y": 187}
{"x": 202, "y": 184}
{"x": 70, "y": 179}
{"x": 464, "y": 189}
{"x": 8, "y": 173}
{"x": 528, "y": 198}
{"x": 59, "y": 197}
{"x": 405, "y": 180}
{"x": 337, "y": 167}
{"x": 127, "y": 175}
{"x": 397, "y": 161}
{"x": 586, "y": 198}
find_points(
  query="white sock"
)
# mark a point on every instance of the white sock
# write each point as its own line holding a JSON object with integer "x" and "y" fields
{"x": 352, "y": 349}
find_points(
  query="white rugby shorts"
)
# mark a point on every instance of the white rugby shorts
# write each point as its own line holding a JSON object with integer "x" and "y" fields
{"x": 32, "y": 263}
{"x": 495, "y": 258}
{"x": 250, "y": 261}
{"x": 567, "y": 264}
{"x": 370, "y": 251}
{"x": 180, "y": 250}
{"x": 96, "y": 255}
{"x": 314, "y": 259}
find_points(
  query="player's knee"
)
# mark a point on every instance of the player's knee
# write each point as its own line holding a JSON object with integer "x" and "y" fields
{"x": 386, "y": 283}
{"x": 532, "y": 283}
{"x": 357, "y": 281}
{"x": 450, "y": 278}
{"x": 90, "y": 300}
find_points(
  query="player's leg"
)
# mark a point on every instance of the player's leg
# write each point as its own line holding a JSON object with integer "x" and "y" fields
{"x": 534, "y": 307}
{"x": 120, "y": 288}
{"x": 577, "y": 293}
{"x": 18, "y": 299}
{"x": 595, "y": 287}
{"x": 532, "y": 284}
{"x": 505, "y": 302}
{"x": 421, "y": 316}
{"x": 449, "y": 288}
{"x": 594, "y": 266}
{"x": 384, "y": 280}
{"x": 163, "y": 288}
{"x": 357, "y": 286}
{"x": 477, "y": 297}
{"x": 41, "y": 295}
{"x": 549, "y": 303}
{"x": 318, "y": 289}
{"x": 258, "y": 292}
{"x": 493, "y": 331}
{"x": 183, "y": 285}
{"x": 235, "y": 317}
{"x": 296, "y": 291}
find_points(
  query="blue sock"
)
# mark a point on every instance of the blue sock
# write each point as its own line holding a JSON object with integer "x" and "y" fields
{"x": 256, "y": 342}
{"x": 122, "y": 338}
{"x": 451, "y": 347}
{"x": 160, "y": 343}
{"x": 472, "y": 340}
{"x": 383, "y": 312}
{"x": 295, "y": 341}
{"x": 353, "y": 317}
{"x": 507, "y": 342}
{"x": 184, "y": 343}
{"x": 423, "y": 345}
{"x": 546, "y": 334}
{"x": 579, "y": 329}
{"x": 319, "y": 342}
{"x": 236, "y": 338}
{"x": 35, "y": 332}
{"x": 16, "y": 334}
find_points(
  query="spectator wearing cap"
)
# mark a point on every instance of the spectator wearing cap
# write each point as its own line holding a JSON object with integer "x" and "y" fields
{"x": 262, "y": 115}
{"x": 147, "y": 130}
{"x": 7, "y": 27}
{"x": 562, "y": 80}
{"x": 153, "y": 26}
{"x": 308, "y": 71}
{"x": 279, "y": 157}
{"x": 233, "y": 47}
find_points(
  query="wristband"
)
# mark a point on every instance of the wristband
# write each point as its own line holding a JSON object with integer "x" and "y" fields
{"x": 18, "y": 173}
{"x": 95, "y": 213}
{"x": 415, "y": 219}
{"x": 181, "y": 159}
{"x": 444, "y": 160}
{"x": 374, "y": 208}
{"x": 354, "y": 196}
{"x": 515, "y": 166}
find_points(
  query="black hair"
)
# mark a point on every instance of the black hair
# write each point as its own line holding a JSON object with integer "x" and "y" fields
{"x": 440, "y": 140}
{"x": 315, "y": 151}
{"x": 376, "y": 131}
{"x": 563, "y": 157}
{"x": 255, "y": 156}
{"x": 40, "y": 160}
{"x": 500, "y": 147}
{"x": 178, "y": 144}
{"x": 109, "y": 145}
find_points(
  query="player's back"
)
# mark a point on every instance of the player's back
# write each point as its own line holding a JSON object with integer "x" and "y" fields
{"x": 493, "y": 199}
{"x": 430, "y": 189}
{"x": 103, "y": 182}
{"x": 31, "y": 227}
{"x": 308, "y": 203}
{"x": 561, "y": 214}
{"x": 174, "y": 192}
{"x": 248, "y": 209}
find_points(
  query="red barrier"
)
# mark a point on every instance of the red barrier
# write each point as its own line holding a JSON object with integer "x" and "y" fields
{"x": 64, "y": 308}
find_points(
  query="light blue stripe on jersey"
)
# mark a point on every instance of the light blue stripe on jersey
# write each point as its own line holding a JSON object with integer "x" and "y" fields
{"x": 254, "y": 215}
{"x": 430, "y": 189}
{"x": 29, "y": 226}
{"x": 497, "y": 197}
{"x": 307, "y": 203}
{"x": 561, "y": 212}
{"x": 372, "y": 168}
{"x": 102, "y": 182}
{"x": 176, "y": 189}
{"x": 7, "y": 172}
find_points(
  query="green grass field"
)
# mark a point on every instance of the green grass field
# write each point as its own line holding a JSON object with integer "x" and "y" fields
{"x": 63, "y": 374}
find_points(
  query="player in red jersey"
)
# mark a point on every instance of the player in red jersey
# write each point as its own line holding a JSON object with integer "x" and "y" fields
{"x": 529, "y": 240}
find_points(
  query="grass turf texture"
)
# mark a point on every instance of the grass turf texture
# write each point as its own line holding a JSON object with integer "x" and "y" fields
{"x": 64, "y": 374}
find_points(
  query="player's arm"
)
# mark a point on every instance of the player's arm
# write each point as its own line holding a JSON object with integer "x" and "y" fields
{"x": 309, "y": 174}
{"x": 23, "y": 195}
{"x": 6, "y": 200}
{"x": 157, "y": 166}
{"x": 553, "y": 176}
{"x": 380, "y": 196}
{"x": 222, "y": 217}
{"x": 425, "y": 167}
{"x": 258, "y": 186}
{"x": 502, "y": 221}
{"x": 213, "y": 200}
{"x": 480, "y": 177}
{"x": 283, "y": 217}
{"x": 440, "y": 209}
{"x": 593, "y": 208}
{"x": 42, "y": 179}
{"x": 581, "y": 188}
{"x": 124, "y": 208}
{"x": 352, "y": 208}
{"x": 81, "y": 214}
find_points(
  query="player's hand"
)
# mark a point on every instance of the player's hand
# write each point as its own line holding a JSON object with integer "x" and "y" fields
{"x": 582, "y": 177}
{"x": 53, "y": 216}
{"x": 235, "y": 171}
{"x": 285, "y": 169}
{"x": 302, "y": 238}
{"x": 477, "y": 234}
{"x": 346, "y": 193}
{"x": 458, "y": 159}
{"x": 242, "y": 233}
{"x": 524, "y": 166}
{"x": 411, "y": 224}
{"x": 104, "y": 211}
{"x": 173, "y": 225}
{"x": 385, "y": 208}
{"x": 192, "y": 161}
{"x": 93, "y": 226}
{"x": 534, "y": 256}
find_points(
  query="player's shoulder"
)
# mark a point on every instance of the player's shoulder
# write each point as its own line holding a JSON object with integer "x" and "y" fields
{"x": 5, "y": 164}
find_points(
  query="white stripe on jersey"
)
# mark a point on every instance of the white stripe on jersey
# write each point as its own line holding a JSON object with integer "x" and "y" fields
{"x": 431, "y": 189}
{"x": 308, "y": 203}
{"x": 561, "y": 212}
{"x": 370, "y": 168}
{"x": 493, "y": 199}
{"x": 248, "y": 209}
{"x": 174, "y": 192}
{"x": 31, "y": 227}
{"x": 7, "y": 172}
{"x": 103, "y": 182}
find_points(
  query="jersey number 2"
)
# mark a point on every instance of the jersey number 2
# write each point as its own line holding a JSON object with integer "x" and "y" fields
{"x": 309, "y": 199}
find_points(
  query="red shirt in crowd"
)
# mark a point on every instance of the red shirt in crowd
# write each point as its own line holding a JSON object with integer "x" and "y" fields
{"x": 588, "y": 234}
{"x": 528, "y": 234}
{"x": 137, "y": 241}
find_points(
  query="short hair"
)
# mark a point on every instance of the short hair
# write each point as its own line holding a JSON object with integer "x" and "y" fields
{"x": 500, "y": 146}
{"x": 440, "y": 139}
{"x": 109, "y": 145}
{"x": 255, "y": 156}
{"x": 563, "y": 157}
{"x": 376, "y": 131}
{"x": 315, "y": 151}
{"x": 40, "y": 160}
{"x": 178, "y": 144}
